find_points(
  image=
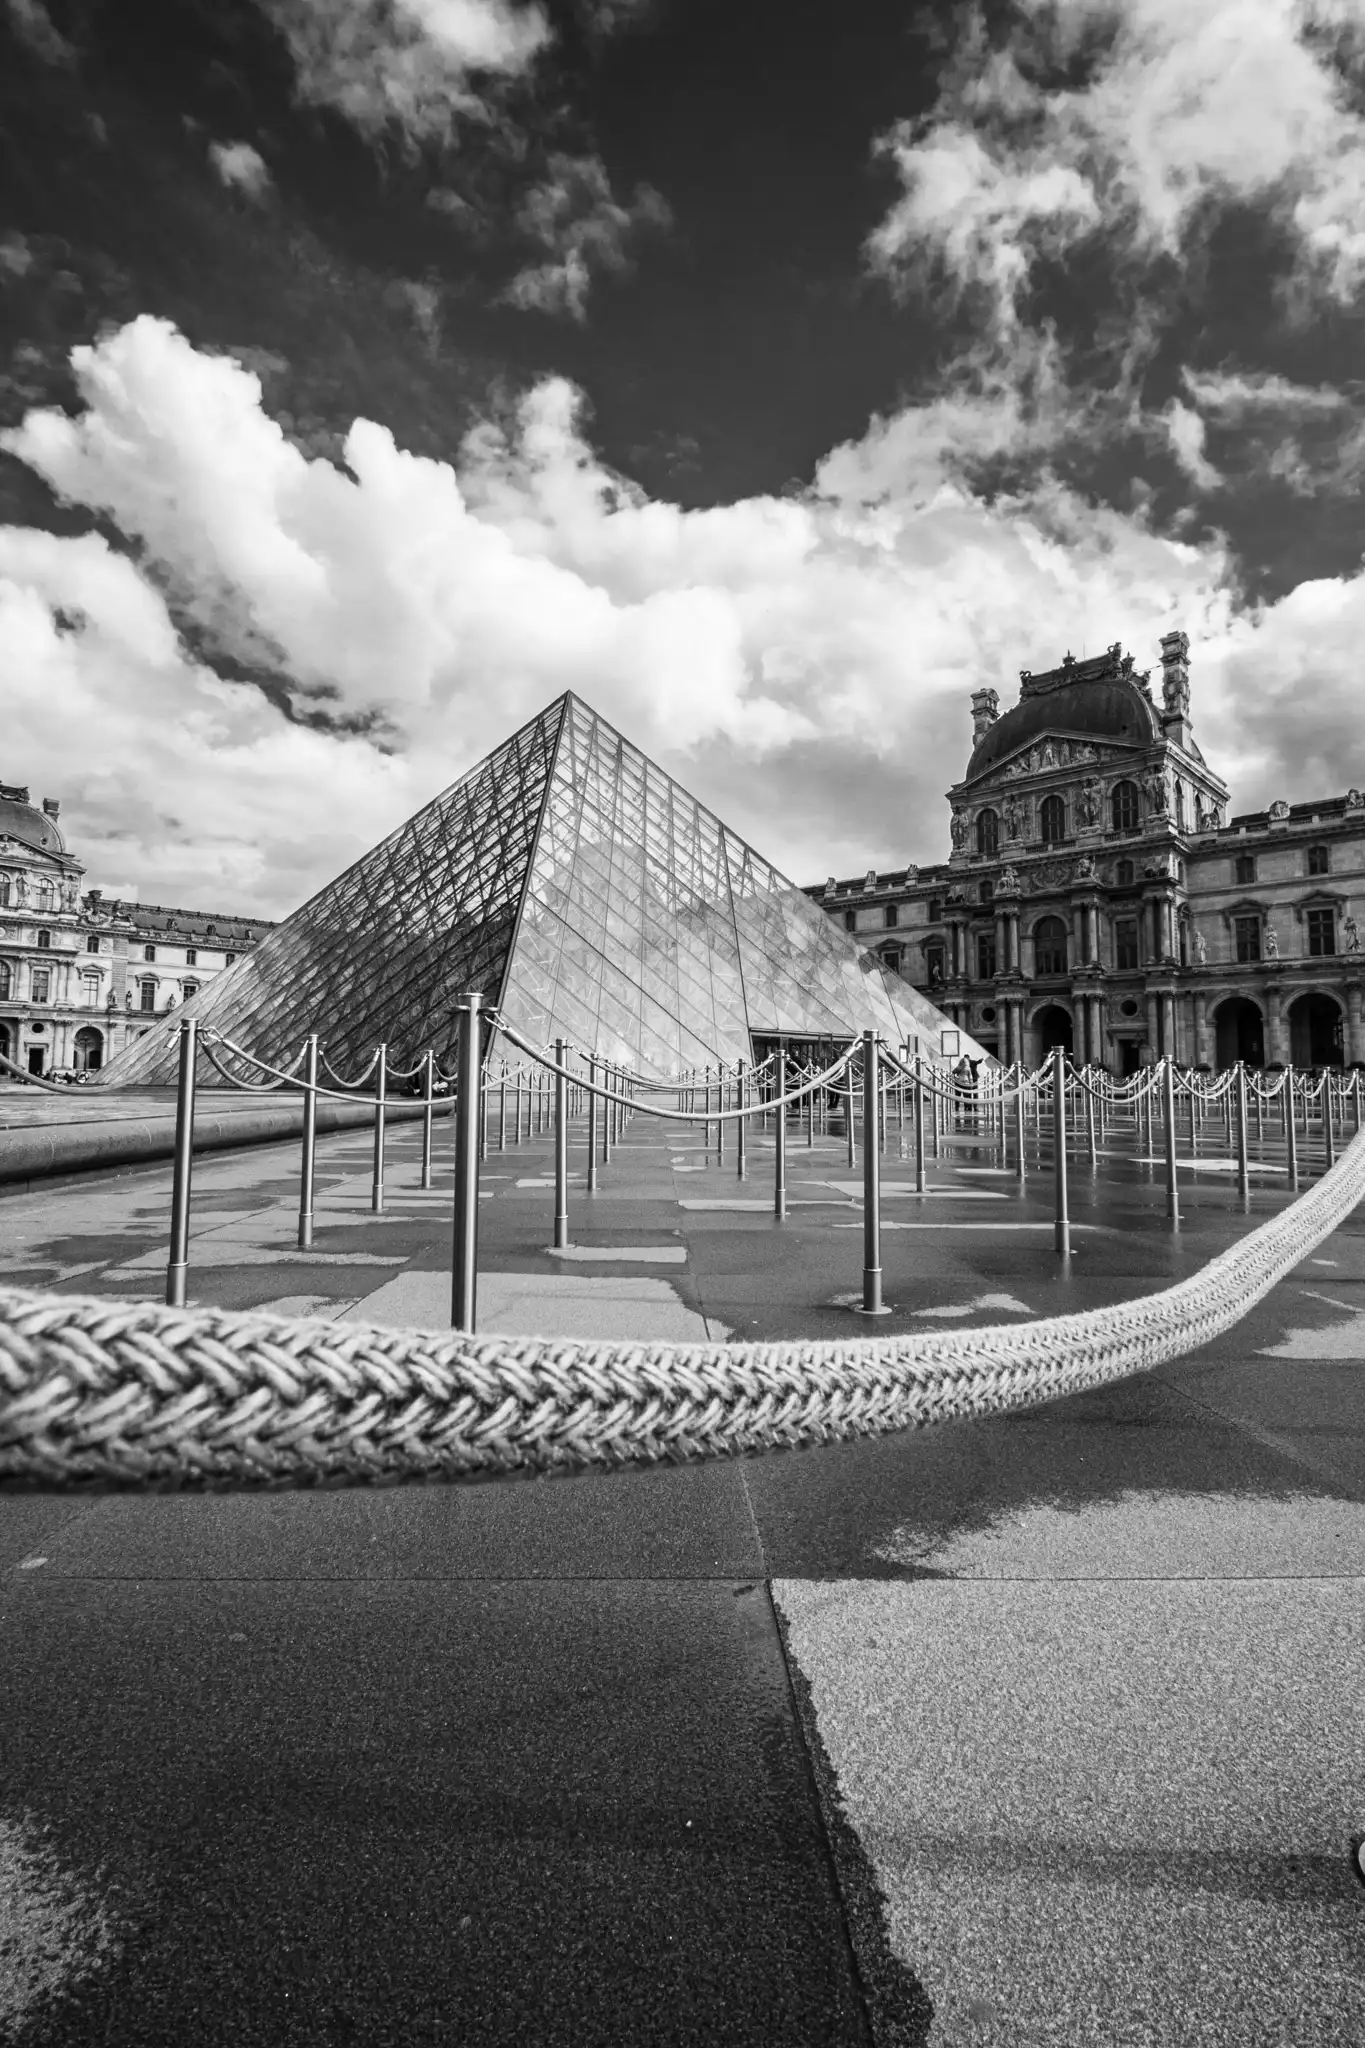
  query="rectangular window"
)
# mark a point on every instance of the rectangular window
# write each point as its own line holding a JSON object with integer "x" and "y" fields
{"x": 92, "y": 990}
{"x": 1247, "y": 931}
{"x": 1322, "y": 931}
{"x": 42, "y": 985}
{"x": 891, "y": 916}
{"x": 1244, "y": 868}
{"x": 935, "y": 910}
{"x": 149, "y": 952}
{"x": 44, "y": 942}
{"x": 148, "y": 1001}
{"x": 92, "y": 944}
{"x": 228, "y": 958}
{"x": 1318, "y": 860}
{"x": 985, "y": 956}
{"x": 191, "y": 957}
{"x": 850, "y": 925}
{"x": 1125, "y": 944}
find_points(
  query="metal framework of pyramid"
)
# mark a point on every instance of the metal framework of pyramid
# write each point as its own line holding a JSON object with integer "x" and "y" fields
{"x": 585, "y": 893}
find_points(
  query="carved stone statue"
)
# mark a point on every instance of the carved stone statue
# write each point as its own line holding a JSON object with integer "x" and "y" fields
{"x": 1088, "y": 802}
{"x": 1354, "y": 800}
{"x": 1016, "y": 817}
{"x": 1175, "y": 674}
{"x": 70, "y": 891}
{"x": 1279, "y": 809}
{"x": 1272, "y": 943}
{"x": 1008, "y": 885}
{"x": 959, "y": 830}
{"x": 1352, "y": 931}
{"x": 1155, "y": 787}
{"x": 1201, "y": 949}
{"x": 21, "y": 887}
{"x": 127, "y": 999}
{"x": 1047, "y": 757}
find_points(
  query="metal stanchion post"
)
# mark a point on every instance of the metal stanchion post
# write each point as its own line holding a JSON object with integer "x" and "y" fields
{"x": 428, "y": 1110}
{"x": 1168, "y": 1106}
{"x": 1062, "y": 1220}
{"x": 561, "y": 1150}
{"x": 381, "y": 1089}
{"x": 310, "y": 1129}
{"x": 852, "y": 1153}
{"x": 740, "y": 1121}
{"x": 810, "y": 1121}
{"x": 483, "y": 1114}
{"x": 872, "y": 1179}
{"x": 1243, "y": 1164}
{"x": 1020, "y": 1146}
{"x": 465, "y": 1273}
{"x": 1329, "y": 1150}
{"x": 918, "y": 1107}
{"x": 720, "y": 1116}
{"x": 1089, "y": 1085}
{"x": 608, "y": 1112}
{"x": 1291, "y": 1135}
{"x": 184, "y": 1161}
{"x": 779, "y": 1134}
{"x": 592, "y": 1125}
{"x": 1355, "y": 1095}
{"x": 502, "y": 1110}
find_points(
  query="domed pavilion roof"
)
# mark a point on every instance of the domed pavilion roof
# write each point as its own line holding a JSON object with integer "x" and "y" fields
{"x": 21, "y": 820}
{"x": 1099, "y": 699}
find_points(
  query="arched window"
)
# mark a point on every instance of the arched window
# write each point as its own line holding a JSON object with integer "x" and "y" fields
{"x": 1052, "y": 814}
{"x": 6, "y": 980}
{"x": 44, "y": 940}
{"x": 1180, "y": 805}
{"x": 1123, "y": 806}
{"x": 1049, "y": 946}
{"x": 890, "y": 918}
{"x": 5, "y": 887}
{"x": 987, "y": 832}
{"x": 1123, "y": 874}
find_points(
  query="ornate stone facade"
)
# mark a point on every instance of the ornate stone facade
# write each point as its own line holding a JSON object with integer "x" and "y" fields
{"x": 80, "y": 974}
{"x": 1098, "y": 894}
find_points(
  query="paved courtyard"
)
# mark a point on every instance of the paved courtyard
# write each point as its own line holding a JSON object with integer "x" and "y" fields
{"x": 1039, "y": 1729}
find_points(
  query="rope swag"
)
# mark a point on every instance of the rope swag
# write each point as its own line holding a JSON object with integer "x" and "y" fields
{"x": 99, "y": 1393}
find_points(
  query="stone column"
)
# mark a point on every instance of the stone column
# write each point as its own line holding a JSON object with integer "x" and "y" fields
{"x": 1202, "y": 1054}
{"x": 1276, "y": 1051}
{"x": 1014, "y": 942}
{"x": 1153, "y": 1034}
{"x": 1354, "y": 1042}
{"x": 1100, "y": 1048}
{"x": 1170, "y": 1044}
{"x": 1002, "y": 942}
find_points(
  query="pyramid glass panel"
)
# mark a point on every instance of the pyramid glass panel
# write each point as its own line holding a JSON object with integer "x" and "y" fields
{"x": 583, "y": 892}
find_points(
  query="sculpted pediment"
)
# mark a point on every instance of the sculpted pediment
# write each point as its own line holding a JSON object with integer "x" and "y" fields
{"x": 1054, "y": 750}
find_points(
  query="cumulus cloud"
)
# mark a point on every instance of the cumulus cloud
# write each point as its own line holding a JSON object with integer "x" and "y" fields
{"x": 1186, "y": 432}
{"x": 408, "y": 63}
{"x": 806, "y": 659}
{"x": 1138, "y": 122}
{"x": 573, "y": 217}
{"x": 240, "y": 166}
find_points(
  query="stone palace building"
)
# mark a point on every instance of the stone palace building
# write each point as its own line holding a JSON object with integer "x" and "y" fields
{"x": 81, "y": 974}
{"x": 1099, "y": 896}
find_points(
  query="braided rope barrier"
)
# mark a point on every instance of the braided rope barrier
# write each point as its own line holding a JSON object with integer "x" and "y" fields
{"x": 103, "y": 1393}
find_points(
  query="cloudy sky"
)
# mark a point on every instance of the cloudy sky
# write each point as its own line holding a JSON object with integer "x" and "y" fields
{"x": 374, "y": 370}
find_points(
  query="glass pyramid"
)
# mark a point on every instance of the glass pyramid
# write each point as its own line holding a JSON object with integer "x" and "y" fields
{"x": 588, "y": 895}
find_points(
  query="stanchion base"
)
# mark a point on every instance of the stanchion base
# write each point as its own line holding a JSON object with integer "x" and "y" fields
{"x": 884, "y": 1310}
